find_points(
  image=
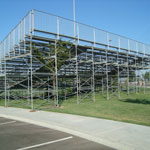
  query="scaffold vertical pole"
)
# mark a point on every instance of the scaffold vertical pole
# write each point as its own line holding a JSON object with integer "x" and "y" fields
{"x": 31, "y": 87}
{"x": 107, "y": 86}
{"x": 76, "y": 51}
{"x": 24, "y": 30}
{"x": 128, "y": 67}
{"x": 93, "y": 69}
{"x": 102, "y": 85}
{"x": 56, "y": 67}
{"x": 56, "y": 85}
{"x": 8, "y": 45}
{"x": 136, "y": 68}
{"x": 19, "y": 36}
{"x": 118, "y": 68}
{"x": 31, "y": 57}
{"x": 5, "y": 70}
{"x": 143, "y": 67}
{"x": 28, "y": 94}
{"x": 13, "y": 39}
{"x": 8, "y": 95}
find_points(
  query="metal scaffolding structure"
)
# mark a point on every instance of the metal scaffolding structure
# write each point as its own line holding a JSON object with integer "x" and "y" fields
{"x": 46, "y": 59}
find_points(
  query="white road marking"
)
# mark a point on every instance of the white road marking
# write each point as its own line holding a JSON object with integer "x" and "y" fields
{"x": 42, "y": 144}
{"x": 7, "y": 122}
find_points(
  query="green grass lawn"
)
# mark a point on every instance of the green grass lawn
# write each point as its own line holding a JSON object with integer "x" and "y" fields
{"x": 133, "y": 108}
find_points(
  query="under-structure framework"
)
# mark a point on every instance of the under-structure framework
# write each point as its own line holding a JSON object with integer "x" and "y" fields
{"x": 46, "y": 59}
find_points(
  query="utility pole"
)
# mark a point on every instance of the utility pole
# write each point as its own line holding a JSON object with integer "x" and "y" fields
{"x": 74, "y": 17}
{"x": 75, "y": 42}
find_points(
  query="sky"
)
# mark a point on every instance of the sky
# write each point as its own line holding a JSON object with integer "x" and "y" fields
{"x": 130, "y": 18}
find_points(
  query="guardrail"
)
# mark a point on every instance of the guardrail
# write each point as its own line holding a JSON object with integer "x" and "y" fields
{"x": 37, "y": 20}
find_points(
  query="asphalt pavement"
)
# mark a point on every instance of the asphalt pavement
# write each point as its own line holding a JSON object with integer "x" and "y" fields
{"x": 17, "y": 135}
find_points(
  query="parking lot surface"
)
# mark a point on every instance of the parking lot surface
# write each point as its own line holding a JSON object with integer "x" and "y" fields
{"x": 17, "y": 135}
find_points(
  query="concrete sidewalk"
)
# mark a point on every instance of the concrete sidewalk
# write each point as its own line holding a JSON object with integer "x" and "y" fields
{"x": 118, "y": 135}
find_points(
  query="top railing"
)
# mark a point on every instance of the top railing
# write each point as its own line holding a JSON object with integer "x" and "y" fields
{"x": 16, "y": 36}
{"x": 55, "y": 24}
{"x": 58, "y": 25}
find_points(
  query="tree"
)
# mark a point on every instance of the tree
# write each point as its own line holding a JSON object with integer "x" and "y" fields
{"x": 132, "y": 76}
{"x": 47, "y": 55}
{"x": 146, "y": 76}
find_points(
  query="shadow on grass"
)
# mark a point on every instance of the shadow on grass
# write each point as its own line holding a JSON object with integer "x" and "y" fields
{"x": 137, "y": 101}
